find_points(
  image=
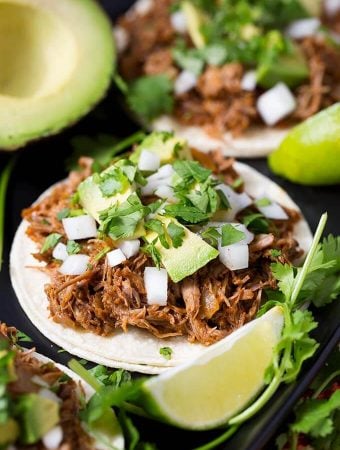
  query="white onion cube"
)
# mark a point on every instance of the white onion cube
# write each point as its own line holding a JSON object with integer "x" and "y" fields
{"x": 163, "y": 172}
{"x": 50, "y": 395}
{"x": 179, "y": 22}
{"x": 248, "y": 82}
{"x": 130, "y": 248}
{"x": 121, "y": 38}
{"x": 74, "y": 265}
{"x": 237, "y": 201}
{"x": 60, "y": 252}
{"x": 80, "y": 227}
{"x": 149, "y": 161}
{"x": 165, "y": 192}
{"x": 273, "y": 211}
{"x": 234, "y": 257}
{"x": 303, "y": 28}
{"x": 331, "y": 7}
{"x": 142, "y": 7}
{"x": 156, "y": 286}
{"x": 275, "y": 104}
{"x": 184, "y": 82}
{"x": 115, "y": 257}
{"x": 53, "y": 438}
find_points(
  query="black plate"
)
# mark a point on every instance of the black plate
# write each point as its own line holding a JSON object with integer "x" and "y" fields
{"x": 42, "y": 164}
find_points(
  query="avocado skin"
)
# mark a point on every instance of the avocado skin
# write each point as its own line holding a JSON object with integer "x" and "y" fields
{"x": 9, "y": 432}
{"x": 37, "y": 415}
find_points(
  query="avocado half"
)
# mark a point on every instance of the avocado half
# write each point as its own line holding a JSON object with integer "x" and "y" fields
{"x": 56, "y": 62}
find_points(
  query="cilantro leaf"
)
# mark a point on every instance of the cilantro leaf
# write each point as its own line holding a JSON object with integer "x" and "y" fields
{"x": 150, "y": 249}
{"x": 188, "y": 214}
{"x": 190, "y": 59}
{"x": 256, "y": 223}
{"x": 211, "y": 235}
{"x": 22, "y": 337}
{"x": 166, "y": 352}
{"x": 102, "y": 253}
{"x": 231, "y": 235}
{"x": 263, "y": 202}
{"x": 150, "y": 96}
{"x": 63, "y": 213}
{"x": 72, "y": 247}
{"x": 176, "y": 233}
{"x": 50, "y": 242}
{"x": 286, "y": 275}
{"x": 158, "y": 227}
{"x": 191, "y": 171}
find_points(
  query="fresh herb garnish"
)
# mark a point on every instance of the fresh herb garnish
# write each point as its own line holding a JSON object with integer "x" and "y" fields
{"x": 72, "y": 247}
{"x": 231, "y": 235}
{"x": 275, "y": 253}
{"x": 211, "y": 235}
{"x": 189, "y": 214}
{"x": 63, "y": 213}
{"x": 191, "y": 171}
{"x": 150, "y": 249}
{"x": 256, "y": 223}
{"x": 50, "y": 242}
{"x": 176, "y": 233}
{"x": 22, "y": 337}
{"x": 102, "y": 253}
{"x": 263, "y": 202}
{"x": 158, "y": 227}
{"x": 166, "y": 352}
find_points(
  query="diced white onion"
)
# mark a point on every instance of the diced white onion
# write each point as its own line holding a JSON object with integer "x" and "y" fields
{"x": 184, "y": 82}
{"x": 303, "y": 28}
{"x": 248, "y": 82}
{"x": 80, "y": 227}
{"x": 273, "y": 211}
{"x": 153, "y": 185}
{"x": 179, "y": 22}
{"x": 53, "y": 438}
{"x": 331, "y": 7}
{"x": 74, "y": 265}
{"x": 165, "y": 192}
{"x": 50, "y": 395}
{"x": 39, "y": 381}
{"x": 156, "y": 286}
{"x": 142, "y": 7}
{"x": 130, "y": 248}
{"x": 249, "y": 236}
{"x": 234, "y": 257}
{"x": 275, "y": 104}
{"x": 115, "y": 257}
{"x": 121, "y": 38}
{"x": 165, "y": 171}
{"x": 149, "y": 161}
{"x": 60, "y": 252}
{"x": 237, "y": 201}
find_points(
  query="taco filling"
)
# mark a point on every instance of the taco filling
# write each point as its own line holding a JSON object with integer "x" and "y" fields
{"x": 40, "y": 404}
{"x": 160, "y": 241}
{"x": 228, "y": 65}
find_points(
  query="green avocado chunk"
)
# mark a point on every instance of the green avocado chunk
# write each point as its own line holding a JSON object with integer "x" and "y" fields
{"x": 9, "y": 432}
{"x": 290, "y": 69}
{"x": 57, "y": 59}
{"x": 185, "y": 260}
{"x": 37, "y": 416}
{"x": 167, "y": 146}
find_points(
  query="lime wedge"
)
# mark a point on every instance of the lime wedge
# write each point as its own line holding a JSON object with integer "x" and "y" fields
{"x": 310, "y": 153}
{"x": 207, "y": 391}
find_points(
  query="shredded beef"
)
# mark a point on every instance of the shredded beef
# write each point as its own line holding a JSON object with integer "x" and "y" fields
{"x": 203, "y": 307}
{"x": 218, "y": 102}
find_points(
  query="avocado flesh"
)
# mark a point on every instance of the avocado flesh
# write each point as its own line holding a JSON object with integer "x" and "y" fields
{"x": 38, "y": 415}
{"x": 289, "y": 69}
{"x": 185, "y": 260}
{"x": 57, "y": 58}
{"x": 165, "y": 145}
{"x": 9, "y": 432}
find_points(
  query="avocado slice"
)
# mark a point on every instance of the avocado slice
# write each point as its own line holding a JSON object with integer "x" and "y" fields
{"x": 290, "y": 69}
{"x": 57, "y": 59}
{"x": 167, "y": 146}
{"x": 9, "y": 432}
{"x": 194, "y": 18}
{"x": 37, "y": 416}
{"x": 185, "y": 260}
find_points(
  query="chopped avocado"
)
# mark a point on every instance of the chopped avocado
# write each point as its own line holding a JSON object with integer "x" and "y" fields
{"x": 9, "y": 432}
{"x": 57, "y": 59}
{"x": 37, "y": 416}
{"x": 185, "y": 260}
{"x": 290, "y": 69}
{"x": 167, "y": 146}
{"x": 93, "y": 193}
{"x": 194, "y": 19}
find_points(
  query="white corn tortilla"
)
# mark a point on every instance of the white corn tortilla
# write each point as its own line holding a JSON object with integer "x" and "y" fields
{"x": 136, "y": 350}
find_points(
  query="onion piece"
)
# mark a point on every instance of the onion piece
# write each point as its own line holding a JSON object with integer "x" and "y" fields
{"x": 80, "y": 227}
{"x": 184, "y": 82}
{"x": 179, "y": 22}
{"x": 121, "y": 38}
{"x": 166, "y": 171}
{"x": 275, "y": 104}
{"x": 39, "y": 381}
{"x": 166, "y": 192}
{"x": 130, "y": 248}
{"x": 60, "y": 252}
{"x": 331, "y": 7}
{"x": 115, "y": 257}
{"x": 248, "y": 82}
{"x": 237, "y": 201}
{"x": 50, "y": 395}
{"x": 149, "y": 161}
{"x": 142, "y": 7}
{"x": 53, "y": 438}
{"x": 273, "y": 211}
{"x": 153, "y": 185}
{"x": 235, "y": 256}
{"x": 303, "y": 28}
{"x": 74, "y": 265}
{"x": 156, "y": 286}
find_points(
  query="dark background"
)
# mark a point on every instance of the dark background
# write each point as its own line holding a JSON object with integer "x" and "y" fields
{"x": 43, "y": 163}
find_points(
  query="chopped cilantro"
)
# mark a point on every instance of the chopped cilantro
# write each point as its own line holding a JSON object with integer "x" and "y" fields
{"x": 189, "y": 214}
{"x": 74, "y": 200}
{"x": 150, "y": 96}
{"x": 150, "y": 249}
{"x": 72, "y": 247}
{"x": 275, "y": 252}
{"x": 211, "y": 235}
{"x": 76, "y": 212}
{"x": 176, "y": 233}
{"x": 158, "y": 227}
{"x": 103, "y": 252}
{"x": 256, "y": 223}
{"x": 166, "y": 352}
{"x": 63, "y": 213}
{"x": 237, "y": 183}
{"x": 22, "y": 337}
{"x": 50, "y": 242}
{"x": 224, "y": 202}
{"x": 189, "y": 59}
{"x": 263, "y": 202}
{"x": 230, "y": 235}
{"x": 191, "y": 171}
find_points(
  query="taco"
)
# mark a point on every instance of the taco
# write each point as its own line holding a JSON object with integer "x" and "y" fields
{"x": 234, "y": 75}
{"x": 165, "y": 251}
{"x": 41, "y": 403}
